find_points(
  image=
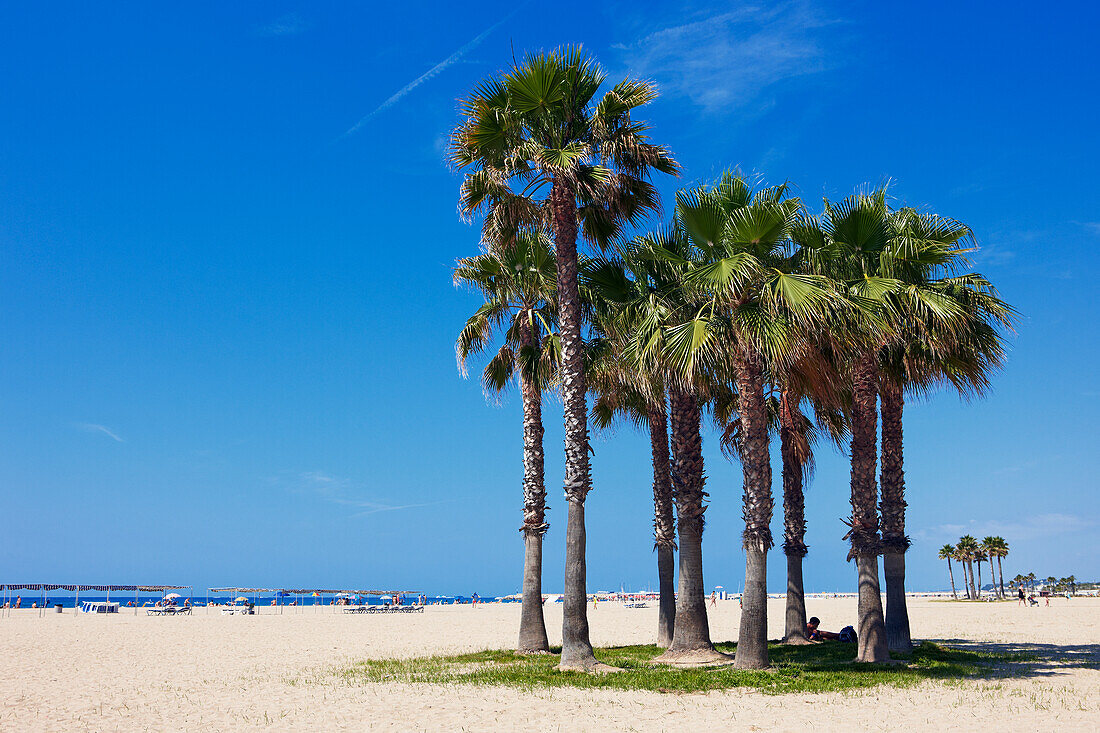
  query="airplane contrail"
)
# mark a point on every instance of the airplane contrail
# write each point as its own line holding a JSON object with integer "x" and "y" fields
{"x": 429, "y": 74}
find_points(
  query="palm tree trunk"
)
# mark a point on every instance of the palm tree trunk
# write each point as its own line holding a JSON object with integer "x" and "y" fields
{"x": 576, "y": 652}
{"x": 973, "y": 585}
{"x": 864, "y": 534}
{"x": 1001, "y": 572}
{"x": 664, "y": 526}
{"x": 794, "y": 525}
{"x": 979, "y": 589}
{"x": 691, "y": 636}
{"x": 894, "y": 542}
{"x": 532, "y": 625}
{"x": 951, "y": 574}
{"x": 757, "y": 504}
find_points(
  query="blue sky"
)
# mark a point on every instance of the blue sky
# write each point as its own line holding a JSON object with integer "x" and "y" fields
{"x": 227, "y": 322}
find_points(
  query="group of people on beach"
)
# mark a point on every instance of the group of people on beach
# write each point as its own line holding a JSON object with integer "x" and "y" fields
{"x": 1028, "y": 599}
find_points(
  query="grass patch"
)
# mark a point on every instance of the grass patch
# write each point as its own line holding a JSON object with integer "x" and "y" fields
{"x": 823, "y": 667}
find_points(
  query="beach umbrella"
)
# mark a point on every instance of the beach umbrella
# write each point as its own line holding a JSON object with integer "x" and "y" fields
{"x": 240, "y": 599}
{"x": 172, "y": 596}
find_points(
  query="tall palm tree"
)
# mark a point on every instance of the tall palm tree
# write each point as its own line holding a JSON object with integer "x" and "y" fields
{"x": 887, "y": 268}
{"x": 661, "y": 304}
{"x": 623, "y": 389}
{"x": 756, "y": 307}
{"x": 797, "y": 435}
{"x": 968, "y": 549}
{"x": 946, "y": 553}
{"x": 963, "y": 558}
{"x": 518, "y": 283}
{"x": 979, "y": 558}
{"x": 925, "y": 351}
{"x": 997, "y": 547}
{"x": 539, "y": 147}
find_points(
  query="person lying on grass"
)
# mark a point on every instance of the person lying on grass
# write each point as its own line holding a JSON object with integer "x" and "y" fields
{"x": 847, "y": 634}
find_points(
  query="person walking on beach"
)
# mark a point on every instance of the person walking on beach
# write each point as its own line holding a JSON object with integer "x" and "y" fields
{"x": 1021, "y": 596}
{"x": 714, "y": 598}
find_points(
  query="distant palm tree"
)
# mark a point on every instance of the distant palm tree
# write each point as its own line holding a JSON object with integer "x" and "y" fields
{"x": 968, "y": 550}
{"x": 946, "y": 553}
{"x": 538, "y": 129}
{"x": 517, "y": 282}
{"x": 996, "y": 547}
{"x": 979, "y": 558}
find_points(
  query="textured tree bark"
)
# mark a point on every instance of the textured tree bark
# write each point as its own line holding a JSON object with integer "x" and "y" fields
{"x": 872, "y": 630}
{"x": 794, "y": 525}
{"x": 664, "y": 524}
{"x": 1001, "y": 572}
{"x": 757, "y": 505}
{"x": 894, "y": 542}
{"x": 864, "y": 533}
{"x": 576, "y": 650}
{"x": 691, "y": 642}
{"x": 951, "y": 574}
{"x": 898, "y": 637}
{"x": 532, "y": 624}
{"x": 795, "y": 618}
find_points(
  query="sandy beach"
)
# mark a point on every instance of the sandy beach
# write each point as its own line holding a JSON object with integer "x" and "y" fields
{"x": 129, "y": 672}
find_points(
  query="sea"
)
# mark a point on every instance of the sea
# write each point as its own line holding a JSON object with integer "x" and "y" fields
{"x": 69, "y": 600}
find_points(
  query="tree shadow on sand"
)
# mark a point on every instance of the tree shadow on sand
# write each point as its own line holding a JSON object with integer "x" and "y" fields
{"x": 1030, "y": 659}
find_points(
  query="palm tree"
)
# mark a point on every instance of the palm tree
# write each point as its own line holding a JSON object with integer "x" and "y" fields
{"x": 756, "y": 305}
{"x": 812, "y": 372}
{"x": 963, "y": 559}
{"x": 796, "y": 437}
{"x": 996, "y": 547}
{"x": 536, "y": 128}
{"x": 663, "y": 305}
{"x": 968, "y": 549}
{"x": 518, "y": 283}
{"x": 979, "y": 557}
{"x": 625, "y": 388}
{"x": 887, "y": 266}
{"x": 946, "y": 553}
{"x": 926, "y": 350}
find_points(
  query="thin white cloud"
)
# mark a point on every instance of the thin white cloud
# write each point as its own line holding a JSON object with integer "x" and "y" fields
{"x": 340, "y": 491}
{"x": 726, "y": 61}
{"x": 290, "y": 24}
{"x": 95, "y": 428}
{"x": 1035, "y": 527}
{"x": 428, "y": 75}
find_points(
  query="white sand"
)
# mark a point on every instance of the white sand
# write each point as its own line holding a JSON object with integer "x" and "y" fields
{"x": 210, "y": 671}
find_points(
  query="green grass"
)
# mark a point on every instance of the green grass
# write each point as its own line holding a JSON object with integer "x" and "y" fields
{"x": 817, "y": 668}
